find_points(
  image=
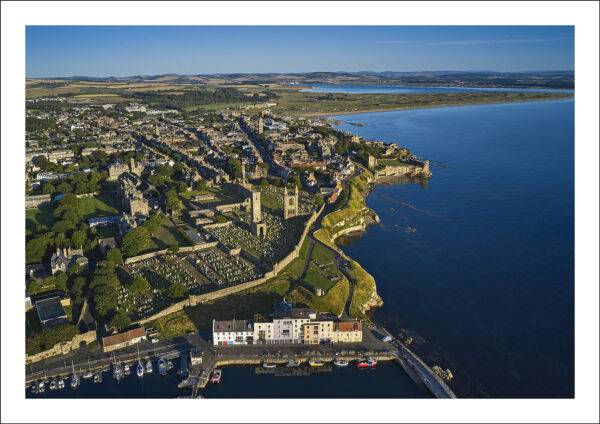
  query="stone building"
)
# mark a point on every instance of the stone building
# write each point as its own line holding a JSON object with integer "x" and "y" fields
{"x": 117, "y": 169}
{"x": 121, "y": 340}
{"x": 258, "y": 226}
{"x": 132, "y": 199}
{"x": 290, "y": 203}
{"x": 64, "y": 259}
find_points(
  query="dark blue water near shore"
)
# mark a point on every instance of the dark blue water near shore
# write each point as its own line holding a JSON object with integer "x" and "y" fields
{"x": 408, "y": 89}
{"x": 487, "y": 278}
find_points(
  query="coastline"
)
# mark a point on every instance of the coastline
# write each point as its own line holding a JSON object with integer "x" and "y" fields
{"x": 365, "y": 111}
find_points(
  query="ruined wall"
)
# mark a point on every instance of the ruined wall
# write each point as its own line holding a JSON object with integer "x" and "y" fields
{"x": 62, "y": 348}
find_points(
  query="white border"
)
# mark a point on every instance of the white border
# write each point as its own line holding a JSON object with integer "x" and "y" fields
{"x": 584, "y": 15}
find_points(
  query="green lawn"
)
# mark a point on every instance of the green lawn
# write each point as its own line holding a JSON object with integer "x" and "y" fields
{"x": 101, "y": 205}
{"x": 164, "y": 236}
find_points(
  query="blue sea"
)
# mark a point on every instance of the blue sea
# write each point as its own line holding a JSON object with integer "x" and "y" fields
{"x": 478, "y": 264}
{"x": 408, "y": 89}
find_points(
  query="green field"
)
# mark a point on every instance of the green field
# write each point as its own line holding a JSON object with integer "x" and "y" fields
{"x": 166, "y": 235}
{"x": 101, "y": 205}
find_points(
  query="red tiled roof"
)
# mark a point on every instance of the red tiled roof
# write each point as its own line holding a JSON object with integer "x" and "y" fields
{"x": 126, "y": 336}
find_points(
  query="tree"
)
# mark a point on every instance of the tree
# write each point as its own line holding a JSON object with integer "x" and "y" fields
{"x": 77, "y": 290}
{"x": 177, "y": 290}
{"x": 296, "y": 181}
{"x": 61, "y": 281}
{"x": 37, "y": 248}
{"x": 319, "y": 199}
{"x": 120, "y": 320}
{"x": 172, "y": 202}
{"x": 233, "y": 167}
{"x": 174, "y": 247}
{"x": 154, "y": 222}
{"x": 105, "y": 288}
{"x": 114, "y": 255}
{"x": 135, "y": 241}
{"x": 140, "y": 285}
{"x": 78, "y": 238}
{"x": 64, "y": 187}
{"x": 48, "y": 188}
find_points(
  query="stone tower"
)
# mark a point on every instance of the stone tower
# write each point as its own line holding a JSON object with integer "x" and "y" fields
{"x": 255, "y": 207}
{"x": 371, "y": 161}
{"x": 290, "y": 203}
{"x": 259, "y": 228}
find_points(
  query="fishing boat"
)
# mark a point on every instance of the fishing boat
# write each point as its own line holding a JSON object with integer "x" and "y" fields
{"x": 98, "y": 377}
{"x": 126, "y": 370}
{"x": 268, "y": 365}
{"x": 216, "y": 376}
{"x": 61, "y": 384}
{"x": 339, "y": 362}
{"x": 53, "y": 384}
{"x": 293, "y": 363}
{"x": 367, "y": 363}
{"x": 316, "y": 362}
{"x": 162, "y": 366}
{"x": 149, "y": 367}
{"x": 139, "y": 369}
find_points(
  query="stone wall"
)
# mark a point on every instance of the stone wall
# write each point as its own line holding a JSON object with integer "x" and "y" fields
{"x": 62, "y": 348}
{"x": 185, "y": 249}
{"x": 277, "y": 268}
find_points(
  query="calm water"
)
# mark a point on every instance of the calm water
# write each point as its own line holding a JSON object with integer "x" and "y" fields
{"x": 486, "y": 282}
{"x": 406, "y": 89}
{"x": 388, "y": 380}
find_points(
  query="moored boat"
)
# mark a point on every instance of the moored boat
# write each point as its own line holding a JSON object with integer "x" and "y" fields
{"x": 53, "y": 384}
{"x": 74, "y": 381}
{"x": 316, "y": 362}
{"x": 98, "y": 377}
{"x": 293, "y": 363}
{"x": 41, "y": 387}
{"x": 367, "y": 363}
{"x": 216, "y": 376}
{"x": 149, "y": 367}
{"x": 117, "y": 372}
{"x": 268, "y": 365}
{"x": 61, "y": 384}
{"x": 170, "y": 365}
{"x": 162, "y": 366}
{"x": 140, "y": 369}
{"x": 87, "y": 375}
{"x": 339, "y": 362}
{"x": 126, "y": 370}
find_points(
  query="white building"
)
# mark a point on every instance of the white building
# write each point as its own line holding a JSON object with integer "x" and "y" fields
{"x": 287, "y": 326}
{"x": 234, "y": 332}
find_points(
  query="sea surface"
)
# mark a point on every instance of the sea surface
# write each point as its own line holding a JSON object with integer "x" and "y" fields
{"x": 408, "y": 89}
{"x": 478, "y": 263}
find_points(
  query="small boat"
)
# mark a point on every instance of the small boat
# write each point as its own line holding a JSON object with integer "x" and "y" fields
{"x": 149, "y": 367}
{"x": 139, "y": 369}
{"x": 368, "y": 363}
{"x": 61, "y": 384}
{"x": 98, "y": 377}
{"x": 162, "y": 366}
{"x": 117, "y": 372}
{"x": 87, "y": 375}
{"x": 41, "y": 388}
{"x": 293, "y": 363}
{"x": 34, "y": 389}
{"x": 339, "y": 362}
{"x": 183, "y": 367}
{"x": 316, "y": 362}
{"x": 126, "y": 370}
{"x": 170, "y": 365}
{"x": 53, "y": 384}
{"x": 216, "y": 376}
{"x": 74, "y": 381}
{"x": 268, "y": 365}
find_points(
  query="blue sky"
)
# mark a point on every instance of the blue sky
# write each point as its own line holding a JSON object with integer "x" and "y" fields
{"x": 53, "y": 51}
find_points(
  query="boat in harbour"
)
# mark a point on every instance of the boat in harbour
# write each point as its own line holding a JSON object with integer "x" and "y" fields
{"x": 316, "y": 362}
{"x": 61, "y": 384}
{"x": 126, "y": 369}
{"x": 98, "y": 377}
{"x": 339, "y": 362}
{"x": 268, "y": 365}
{"x": 87, "y": 375}
{"x": 53, "y": 384}
{"x": 170, "y": 365}
{"x": 216, "y": 376}
{"x": 74, "y": 378}
{"x": 41, "y": 387}
{"x": 139, "y": 369}
{"x": 162, "y": 366}
{"x": 293, "y": 363}
{"x": 367, "y": 363}
{"x": 149, "y": 367}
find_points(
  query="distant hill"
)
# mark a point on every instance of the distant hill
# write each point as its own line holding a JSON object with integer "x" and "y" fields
{"x": 544, "y": 79}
